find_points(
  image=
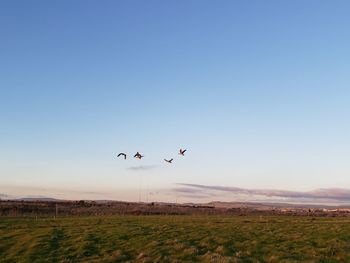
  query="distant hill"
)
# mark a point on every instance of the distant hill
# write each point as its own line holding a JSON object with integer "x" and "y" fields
{"x": 5, "y": 197}
{"x": 215, "y": 204}
{"x": 28, "y": 198}
{"x": 269, "y": 206}
{"x": 44, "y": 199}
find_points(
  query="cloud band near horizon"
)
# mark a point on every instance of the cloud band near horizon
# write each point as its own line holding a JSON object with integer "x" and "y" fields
{"x": 336, "y": 194}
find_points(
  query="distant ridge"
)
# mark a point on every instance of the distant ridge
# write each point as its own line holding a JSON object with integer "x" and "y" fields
{"x": 5, "y": 197}
{"x": 215, "y": 204}
{"x": 269, "y": 205}
{"x": 45, "y": 199}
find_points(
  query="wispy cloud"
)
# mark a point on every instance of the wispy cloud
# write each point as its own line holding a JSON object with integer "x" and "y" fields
{"x": 142, "y": 167}
{"x": 191, "y": 192}
{"x": 336, "y": 194}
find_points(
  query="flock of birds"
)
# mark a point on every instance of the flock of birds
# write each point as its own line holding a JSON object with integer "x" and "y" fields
{"x": 140, "y": 156}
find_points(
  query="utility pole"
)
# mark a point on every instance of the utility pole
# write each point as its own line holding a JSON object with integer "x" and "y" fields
{"x": 56, "y": 210}
{"x": 140, "y": 183}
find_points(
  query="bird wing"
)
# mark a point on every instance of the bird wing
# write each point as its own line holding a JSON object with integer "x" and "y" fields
{"x": 184, "y": 151}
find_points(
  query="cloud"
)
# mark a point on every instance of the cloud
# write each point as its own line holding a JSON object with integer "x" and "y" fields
{"x": 190, "y": 192}
{"x": 141, "y": 167}
{"x": 337, "y": 194}
{"x": 187, "y": 190}
{"x": 196, "y": 196}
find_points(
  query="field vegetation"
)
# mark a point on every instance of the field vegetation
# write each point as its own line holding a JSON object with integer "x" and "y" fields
{"x": 175, "y": 239}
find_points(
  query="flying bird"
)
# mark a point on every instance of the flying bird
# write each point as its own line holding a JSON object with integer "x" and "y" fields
{"x": 138, "y": 155}
{"x": 122, "y": 154}
{"x": 182, "y": 152}
{"x": 168, "y": 161}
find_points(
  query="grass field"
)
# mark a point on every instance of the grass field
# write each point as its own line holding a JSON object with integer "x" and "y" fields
{"x": 175, "y": 239}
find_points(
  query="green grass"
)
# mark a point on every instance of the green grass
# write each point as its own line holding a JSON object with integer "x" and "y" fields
{"x": 175, "y": 239}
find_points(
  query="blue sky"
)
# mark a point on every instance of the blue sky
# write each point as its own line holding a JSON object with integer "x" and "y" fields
{"x": 257, "y": 91}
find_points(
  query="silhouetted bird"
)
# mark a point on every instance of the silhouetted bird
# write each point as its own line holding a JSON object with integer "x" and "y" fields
{"x": 169, "y": 161}
{"x": 182, "y": 152}
{"x": 122, "y": 154}
{"x": 138, "y": 155}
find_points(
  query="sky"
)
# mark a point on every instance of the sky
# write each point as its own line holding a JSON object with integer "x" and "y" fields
{"x": 258, "y": 92}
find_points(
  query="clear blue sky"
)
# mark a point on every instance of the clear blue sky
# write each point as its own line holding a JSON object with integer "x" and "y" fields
{"x": 257, "y": 91}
